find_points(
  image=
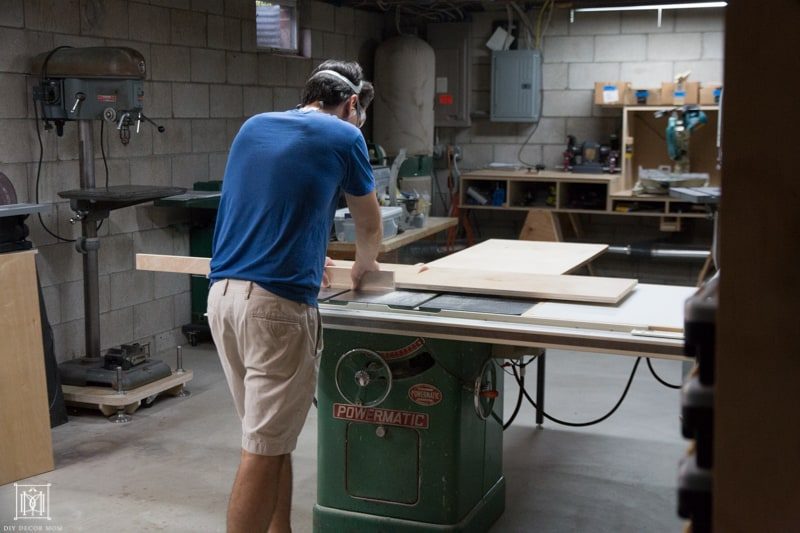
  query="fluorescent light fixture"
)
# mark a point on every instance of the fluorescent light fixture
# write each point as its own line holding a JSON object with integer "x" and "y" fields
{"x": 653, "y": 7}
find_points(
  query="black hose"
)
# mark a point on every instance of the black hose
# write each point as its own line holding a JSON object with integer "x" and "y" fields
{"x": 658, "y": 378}
{"x": 519, "y": 404}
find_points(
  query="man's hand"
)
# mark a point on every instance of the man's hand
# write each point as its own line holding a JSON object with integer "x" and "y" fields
{"x": 326, "y": 280}
{"x": 359, "y": 269}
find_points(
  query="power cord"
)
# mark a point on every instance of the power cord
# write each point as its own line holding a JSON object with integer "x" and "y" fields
{"x": 520, "y": 382}
{"x": 658, "y": 378}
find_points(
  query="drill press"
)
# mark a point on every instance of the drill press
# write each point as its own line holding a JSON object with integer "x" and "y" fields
{"x": 86, "y": 84}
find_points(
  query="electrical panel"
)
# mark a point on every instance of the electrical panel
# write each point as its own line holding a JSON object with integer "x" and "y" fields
{"x": 451, "y": 44}
{"x": 516, "y": 86}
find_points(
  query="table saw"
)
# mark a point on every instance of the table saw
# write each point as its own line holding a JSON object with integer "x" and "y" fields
{"x": 410, "y": 394}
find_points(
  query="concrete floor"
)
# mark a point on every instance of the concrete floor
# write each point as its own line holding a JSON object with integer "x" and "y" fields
{"x": 171, "y": 468}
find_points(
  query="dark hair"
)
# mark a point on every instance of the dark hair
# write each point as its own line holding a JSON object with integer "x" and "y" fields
{"x": 331, "y": 91}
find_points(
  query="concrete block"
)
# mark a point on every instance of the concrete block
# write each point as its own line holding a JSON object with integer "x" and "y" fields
{"x": 165, "y": 218}
{"x": 64, "y": 228}
{"x": 592, "y": 129}
{"x": 140, "y": 144}
{"x": 313, "y": 44}
{"x": 674, "y": 46}
{"x": 116, "y": 327}
{"x": 170, "y": 63}
{"x": 480, "y": 77}
{"x": 76, "y": 41}
{"x": 131, "y": 287}
{"x": 647, "y": 74}
{"x": 70, "y": 296}
{"x": 567, "y": 103}
{"x": 242, "y": 68}
{"x": 19, "y": 46}
{"x": 12, "y": 14}
{"x": 595, "y": 23}
{"x": 154, "y": 241}
{"x": 710, "y": 70}
{"x": 116, "y": 254}
{"x": 485, "y": 132}
{"x": 216, "y": 165}
{"x": 118, "y": 171}
{"x": 713, "y": 45}
{"x": 226, "y": 101}
{"x": 224, "y": 33}
{"x": 208, "y": 135}
{"x": 165, "y": 342}
{"x": 209, "y": 6}
{"x": 157, "y": 100}
{"x": 187, "y": 169}
{"x": 58, "y": 263}
{"x": 153, "y": 317}
{"x": 52, "y": 304}
{"x": 58, "y": 16}
{"x": 176, "y": 139}
{"x": 285, "y": 98}
{"x": 180, "y": 242}
{"x": 620, "y": 48}
{"x": 54, "y": 177}
{"x": 188, "y": 28}
{"x": 148, "y": 23}
{"x": 712, "y": 19}
{"x": 153, "y": 170}
{"x": 479, "y": 102}
{"x": 344, "y": 20}
{"x": 600, "y": 111}
{"x": 559, "y": 22}
{"x": 552, "y": 155}
{"x": 476, "y": 156}
{"x": 208, "y": 65}
{"x": 554, "y": 75}
{"x": 322, "y": 16}
{"x": 507, "y": 153}
{"x": 68, "y": 340}
{"x": 105, "y": 293}
{"x": 232, "y": 126}
{"x": 249, "y": 41}
{"x": 128, "y": 220}
{"x": 183, "y": 307}
{"x": 298, "y": 71}
{"x": 190, "y": 100}
{"x": 105, "y": 18}
{"x": 584, "y": 75}
{"x": 177, "y": 4}
{"x": 647, "y": 22}
{"x": 257, "y": 100}
{"x": 549, "y": 130}
{"x": 334, "y": 46}
{"x": 568, "y": 49}
{"x": 271, "y": 70}
{"x": 243, "y": 9}
{"x": 14, "y": 103}
{"x": 168, "y": 284}
{"x": 38, "y": 236}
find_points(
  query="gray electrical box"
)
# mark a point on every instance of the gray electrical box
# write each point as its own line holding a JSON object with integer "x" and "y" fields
{"x": 516, "y": 86}
{"x": 451, "y": 43}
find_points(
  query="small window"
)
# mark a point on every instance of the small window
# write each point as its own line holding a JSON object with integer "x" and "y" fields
{"x": 276, "y": 25}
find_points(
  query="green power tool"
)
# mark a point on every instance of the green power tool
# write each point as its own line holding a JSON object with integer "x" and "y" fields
{"x": 680, "y": 125}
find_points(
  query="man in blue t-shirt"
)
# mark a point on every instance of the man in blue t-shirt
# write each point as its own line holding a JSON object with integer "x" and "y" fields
{"x": 282, "y": 182}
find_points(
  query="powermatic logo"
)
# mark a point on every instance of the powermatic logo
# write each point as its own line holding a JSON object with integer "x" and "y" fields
{"x": 373, "y": 415}
{"x": 424, "y": 394}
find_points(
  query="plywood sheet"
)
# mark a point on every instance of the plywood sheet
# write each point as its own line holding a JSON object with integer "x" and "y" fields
{"x": 26, "y": 448}
{"x": 528, "y": 257}
{"x": 541, "y": 286}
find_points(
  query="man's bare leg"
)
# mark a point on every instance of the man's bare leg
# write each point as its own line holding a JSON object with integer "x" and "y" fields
{"x": 255, "y": 492}
{"x": 281, "y": 516}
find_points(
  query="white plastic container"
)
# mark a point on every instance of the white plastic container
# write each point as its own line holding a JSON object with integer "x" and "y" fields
{"x": 345, "y": 227}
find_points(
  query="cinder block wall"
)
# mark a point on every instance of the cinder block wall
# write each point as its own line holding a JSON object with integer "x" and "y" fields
{"x": 205, "y": 77}
{"x": 595, "y": 47}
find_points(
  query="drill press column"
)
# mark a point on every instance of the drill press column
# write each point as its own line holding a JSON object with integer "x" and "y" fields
{"x": 88, "y": 245}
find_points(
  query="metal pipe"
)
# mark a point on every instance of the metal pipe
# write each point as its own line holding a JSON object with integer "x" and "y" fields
{"x": 659, "y": 252}
{"x": 88, "y": 245}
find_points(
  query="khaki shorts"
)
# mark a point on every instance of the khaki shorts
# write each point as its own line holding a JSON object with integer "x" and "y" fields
{"x": 269, "y": 348}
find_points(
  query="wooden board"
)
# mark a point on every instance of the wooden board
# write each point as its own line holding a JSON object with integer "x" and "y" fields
{"x": 108, "y": 401}
{"x": 340, "y": 278}
{"x": 174, "y": 263}
{"x": 26, "y": 447}
{"x": 519, "y": 285}
{"x": 432, "y": 225}
{"x": 527, "y": 257}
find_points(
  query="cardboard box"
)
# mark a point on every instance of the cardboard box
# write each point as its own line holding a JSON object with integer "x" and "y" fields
{"x": 671, "y": 94}
{"x": 710, "y": 93}
{"x": 612, "y": 93}
{"x": 652, "y": 96}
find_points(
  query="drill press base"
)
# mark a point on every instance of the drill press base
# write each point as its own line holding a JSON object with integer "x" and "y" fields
{"x": 478, "y": 520}
{"x": 89, "y": 371}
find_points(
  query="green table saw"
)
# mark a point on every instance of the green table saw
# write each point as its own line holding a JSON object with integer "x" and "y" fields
{"x": 410, "y": 397}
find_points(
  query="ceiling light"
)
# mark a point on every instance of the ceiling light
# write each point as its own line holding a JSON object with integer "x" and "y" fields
{"x": 651, "y": 7}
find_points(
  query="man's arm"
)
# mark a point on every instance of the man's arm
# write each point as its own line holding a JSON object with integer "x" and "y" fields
{"x": 369, "y": 232}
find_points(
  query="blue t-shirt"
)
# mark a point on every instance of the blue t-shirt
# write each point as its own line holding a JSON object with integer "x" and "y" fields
{"x": 279, "y": 194}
